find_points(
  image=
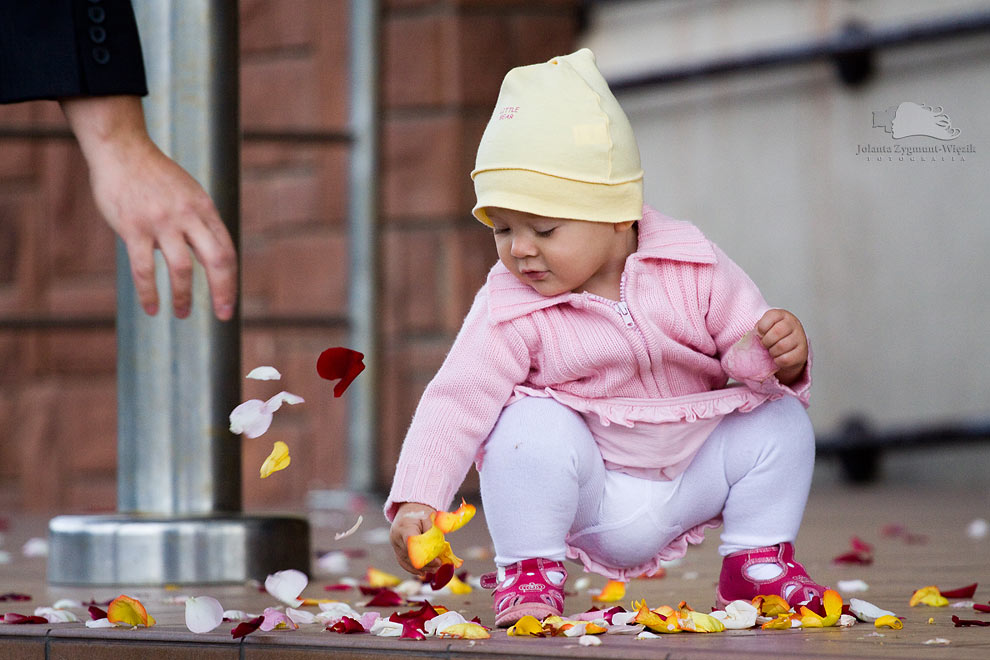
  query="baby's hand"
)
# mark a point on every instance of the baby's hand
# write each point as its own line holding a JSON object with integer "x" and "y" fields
{"x": 783, "y": 336}
{"x": 410, "y": 519}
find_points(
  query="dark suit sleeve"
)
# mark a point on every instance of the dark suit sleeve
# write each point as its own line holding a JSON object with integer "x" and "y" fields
{"x": 61, "y": 48}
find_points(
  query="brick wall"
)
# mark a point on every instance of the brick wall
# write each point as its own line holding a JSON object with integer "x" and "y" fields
{"x": 442, "y": 63}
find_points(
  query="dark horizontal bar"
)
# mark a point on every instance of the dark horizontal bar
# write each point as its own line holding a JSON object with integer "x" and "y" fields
{"x": 851, "y": 40}
{"x": 856, "y": 437}
{"x": 43, "y": 323}
{"x": 247, "y": 135}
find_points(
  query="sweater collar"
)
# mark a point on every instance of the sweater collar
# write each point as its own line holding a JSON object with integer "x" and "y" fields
{"x": 660, "y": 237}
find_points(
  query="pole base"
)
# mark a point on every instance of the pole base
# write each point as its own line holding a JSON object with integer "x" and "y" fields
{"x": 156, "y": 550}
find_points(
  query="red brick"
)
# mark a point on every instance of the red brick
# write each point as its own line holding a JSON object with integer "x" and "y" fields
{"x": 539, "y": 38}
{"x": 484, "y": 55}
{"x": 421, "y": 162}
{"x": 79, "y": 352}
{"x": 279, "y": 199}
{"x": 332, "y": 55}
{"x": 279, "y": 93}
{"x": 269, "y": 25}
{"x": 415, "y": 279}
{"x": 309, "y": 274}
{"x": 419, "y": 63}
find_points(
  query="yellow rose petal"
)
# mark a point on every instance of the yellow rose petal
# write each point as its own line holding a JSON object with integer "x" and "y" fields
{"x": 612, "y": 591}
{"x": 450, "y": 521}
{"x": 277, "y": 460}
{"x": 469, "y": 630}
{"x": 888, "y": 621}
{"x": 930, "y": 596}
{"x": 528, "y": 626}
{"x": 124, "y": 609}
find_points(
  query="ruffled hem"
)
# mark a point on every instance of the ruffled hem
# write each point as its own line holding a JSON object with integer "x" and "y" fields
{"x": 674, "y": 550}
{"x": 628, "y": 411}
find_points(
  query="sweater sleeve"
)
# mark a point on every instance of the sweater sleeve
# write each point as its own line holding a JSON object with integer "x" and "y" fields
{"x": 65, "y": 48}
{"x": 458, "y": 410}
{"x": 735, "y": 306}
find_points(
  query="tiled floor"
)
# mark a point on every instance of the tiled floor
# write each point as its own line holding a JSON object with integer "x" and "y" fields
{"x": 947, "y": 557}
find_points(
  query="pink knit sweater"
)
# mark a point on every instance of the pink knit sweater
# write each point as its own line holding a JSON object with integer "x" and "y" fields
{"x": 663, "y": 353}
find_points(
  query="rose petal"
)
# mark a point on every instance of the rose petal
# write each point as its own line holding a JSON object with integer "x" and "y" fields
{"x": 100, "y": 623}
{"x": 450, "y": 521}
{"x": 852, "y": 586}
{"x": 14, "y": 618}
{"x": 287, "y": 585}
{"x": 342, "y": 535}
{"x": 124, "y": 609}
{"x": 246, "y": 627}
{"x": 385, "y": 598}
{"x": 274, "y": 403}
{"x": 527, "y": 626}
{"x": 346, "y": 626}
{"x": 424, "y": 548}
{"x": 273, "y": 618}
{"x": 962, "y": 592}
{"x": 966, "y": 623}
{"x": 377, "y": 578}
{"x": 264, "y": 373}
{"x": 465, "y": 631}
{"x": 443, "y": 575}
{"x": 929, "y": 596}
{"x": 738, "y": 615}
{"x": 342, "y": 363}
{"x": 203, "y": 614}
{"x": 888, "y": 621}
{"x": 54, "y": 615}
{"x": 613, "y": 591}
{"x": 279, "y": 459}
{"x": 438, "y": 623}
{"x": 250, "y": 419}
{"x": 866, "y": 611}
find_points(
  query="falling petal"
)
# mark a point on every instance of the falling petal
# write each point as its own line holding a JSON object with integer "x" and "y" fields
{"x": 342, "y": 363}
{"x": 929, "y": 596}
{"x": 203, "y": 614}
{"x": 342, "y": 535}
{"x": 246, "y": 627}
{"x": 264, "y": 373}
{"x": 450, "y": 521}
{"x": 613, "y": 591}
{"x": 888, "y": 621}
{"x": 385, "y": 598}
{"x": 124, "y": 609}
{"x": 250, "y": 419}
{"x": 377, "y": 578}
{"x": 287, "y": 585}
{"x": 441, "y": 577}
{"x": 274, "y": 403}
{"x": 278, "y": 460}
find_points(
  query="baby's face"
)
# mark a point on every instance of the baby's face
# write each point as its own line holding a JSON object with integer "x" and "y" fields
{"x": 554, "y": 255}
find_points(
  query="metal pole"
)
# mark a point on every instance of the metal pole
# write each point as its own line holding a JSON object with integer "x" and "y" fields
{"x": 179, "y": 487}
{"x": 363, "y": 214}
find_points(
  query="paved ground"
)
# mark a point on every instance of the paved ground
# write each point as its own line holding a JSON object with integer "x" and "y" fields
{"x": 946, "y": 556}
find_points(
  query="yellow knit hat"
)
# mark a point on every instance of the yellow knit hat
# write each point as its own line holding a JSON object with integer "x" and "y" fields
{"x": 559, "y": 145}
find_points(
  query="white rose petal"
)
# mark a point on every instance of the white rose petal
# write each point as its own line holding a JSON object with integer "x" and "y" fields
{"x": 440, "y": 623}
{"x": 264, "y": 373}
{"x": 590, "y": 640}
{"x": 354, "y": 528}
{"x": 738, "y": 615}
{"x": 846, "y": 621}
{"x": 287, "y": 585}
{"x": 386, "y": 628}
{"x": 978, "y": 529}
{"x": 66, "y": 603}
{"x": 53, "y": 615}
{"x": 36, "y": 547}
{"x": 276, "y": 401}
{"x": 866, "y": 611}
{"x": 203, "y": 614}
{"x": 577, "y": 629}
{"x": 300, "y": 616}
{"x": 250, "y": 418}
{"x": 4, "y": 557}
{"x": 852, "y": 586}
{"x": 100, "y": 623}
{"x": 937, "y": 640}
{"x": 236, "y": 615}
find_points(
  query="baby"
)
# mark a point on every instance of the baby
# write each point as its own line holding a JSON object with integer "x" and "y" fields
{"x": 589, "y": 382}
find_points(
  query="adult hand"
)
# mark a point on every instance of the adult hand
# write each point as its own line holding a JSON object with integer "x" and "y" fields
{"x": 410, "y": 519}
{"x": 152, "y": 203}
{"x": 783, "y": 336}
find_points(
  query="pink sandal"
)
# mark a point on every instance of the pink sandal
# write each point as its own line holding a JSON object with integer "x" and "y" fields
{"x": 526, "y": 589}
{"x": 734, "y": 584}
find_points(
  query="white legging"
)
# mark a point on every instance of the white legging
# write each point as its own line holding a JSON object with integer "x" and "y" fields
{"x": 543, "y": 481}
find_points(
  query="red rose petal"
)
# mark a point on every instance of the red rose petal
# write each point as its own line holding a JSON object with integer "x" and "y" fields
{"x": 246, "y": 627}
{"x": 961, "y": 592}
{"x": 980, "y": 607}
{"x": 14, "y": 596}
{"x": 385, "y": 598}
{"x": 342, "y": 363}
{"x": 443, "y": 576}
{"x": 15, "y": 618}
{"x": 347, "y": 626}
{"x": 965, "y": 623}
{"x": 861, "y": 546}
{"x": 337, "y": 587}
{"x": 853, "y": 558}
{"x": 96, "y": 613}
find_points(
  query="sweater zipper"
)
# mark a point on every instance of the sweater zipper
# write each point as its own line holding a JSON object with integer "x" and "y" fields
{"x": 623, "y": 311}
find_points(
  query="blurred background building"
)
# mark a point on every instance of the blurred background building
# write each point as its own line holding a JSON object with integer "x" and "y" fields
{"x": 765, "y": 122}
